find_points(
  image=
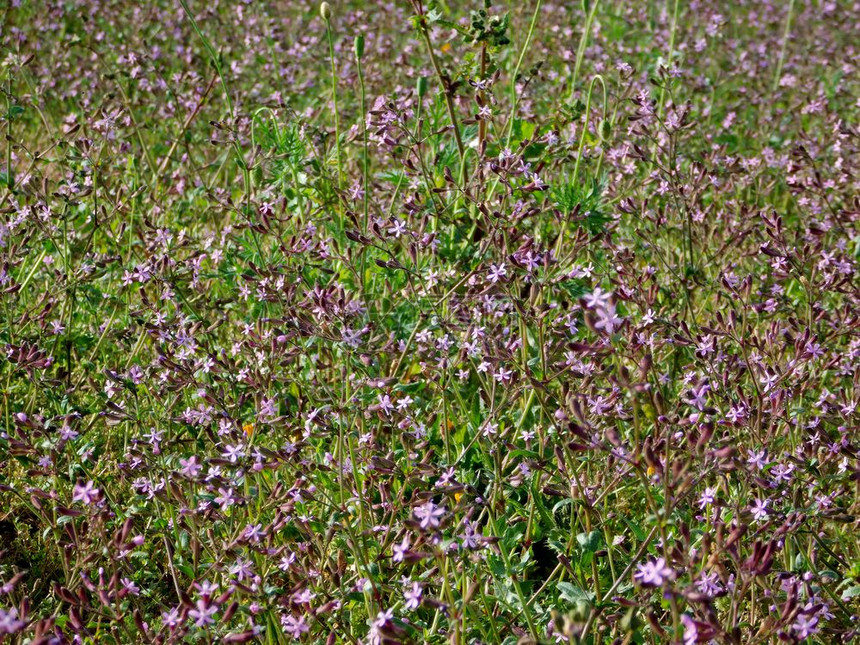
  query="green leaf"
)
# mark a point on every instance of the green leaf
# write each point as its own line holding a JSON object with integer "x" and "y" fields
{"x": 14, "y": 112}
{"x": 497, "y": 566}
{"x": 546, "y": 517}
{"x": 586, "y": 202}
{"x": 434, "y": 15}
{"x": 523, "y": 129}
{"x": 637, "y": 530}
{"x": 575, "y": 288}
{"x": 573, "y": 593}
{"x": 589, "y": 542}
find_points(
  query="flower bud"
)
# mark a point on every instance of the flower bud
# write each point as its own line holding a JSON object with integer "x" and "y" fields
{"x": 325, "y": 11}
{"x": 421, "y": 86}
{"x": 358, "y": 46}
{"x": 604, "y": 129}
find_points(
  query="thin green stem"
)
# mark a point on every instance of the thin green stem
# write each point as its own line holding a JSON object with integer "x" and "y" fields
{"x": 671, "y": 52}
{"x": 583, "y": 41}
{"x": 10, "y": 182}
{"x": 786, "y": 32}
{"x": 513, "y": 89}
{"x": 446, "y": 92}
{"x": 516, "y": 583}
{"x": 366, "y": 160}
{"x": 334, "y": 101}
{"x": 579, "y": 152}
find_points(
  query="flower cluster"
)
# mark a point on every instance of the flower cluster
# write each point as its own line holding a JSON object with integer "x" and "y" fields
{"x": 429, "y": 322}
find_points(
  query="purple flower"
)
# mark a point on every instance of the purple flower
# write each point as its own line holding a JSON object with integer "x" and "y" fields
{"x": 86, "y": 493}
{"x": 708, "y": 497}
{"x": 607, "y": 319}
{"x": 10, "y": 622}
{"x": 709, "y": 583}
{"x": 597, "y": 299}
{"x": 691, "y": 632}
{"x": 376, "y": 635}
{"x": 254, "y": 532}
{"x": 295, "y": 627}
{"x": 400, "y": 550}
{"x": 653, "y": 573}
{"x": 191, "y": 467}
{"x": 429, "y": 515}
{"x": 759, "y": 509}
{"x": 758, "y": 459}
{"x": 171, "y": 619}
{"x": 202, "y": 613}
{"x": 805, "y": 626}
{"x": 413, "y": 596}
{"x": 497, "y": 272}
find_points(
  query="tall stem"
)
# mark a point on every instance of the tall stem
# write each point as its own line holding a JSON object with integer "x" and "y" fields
{"x": 782, "y": 50}
{"x": 449, "y": 102}
{"x": 671, "y": 51}
{"x": 334, "y": 100}
{"x": 10, "y": 182}
{"x": 240, "y": 159}
{"x": 364, "y": 137}
{"x": 583, "y": 40}
{"x": 516, "y": 73}
{"x": 596, "y": 78}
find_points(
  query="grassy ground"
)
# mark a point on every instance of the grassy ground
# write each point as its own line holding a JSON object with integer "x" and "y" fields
{"x": 428, "y": 322}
